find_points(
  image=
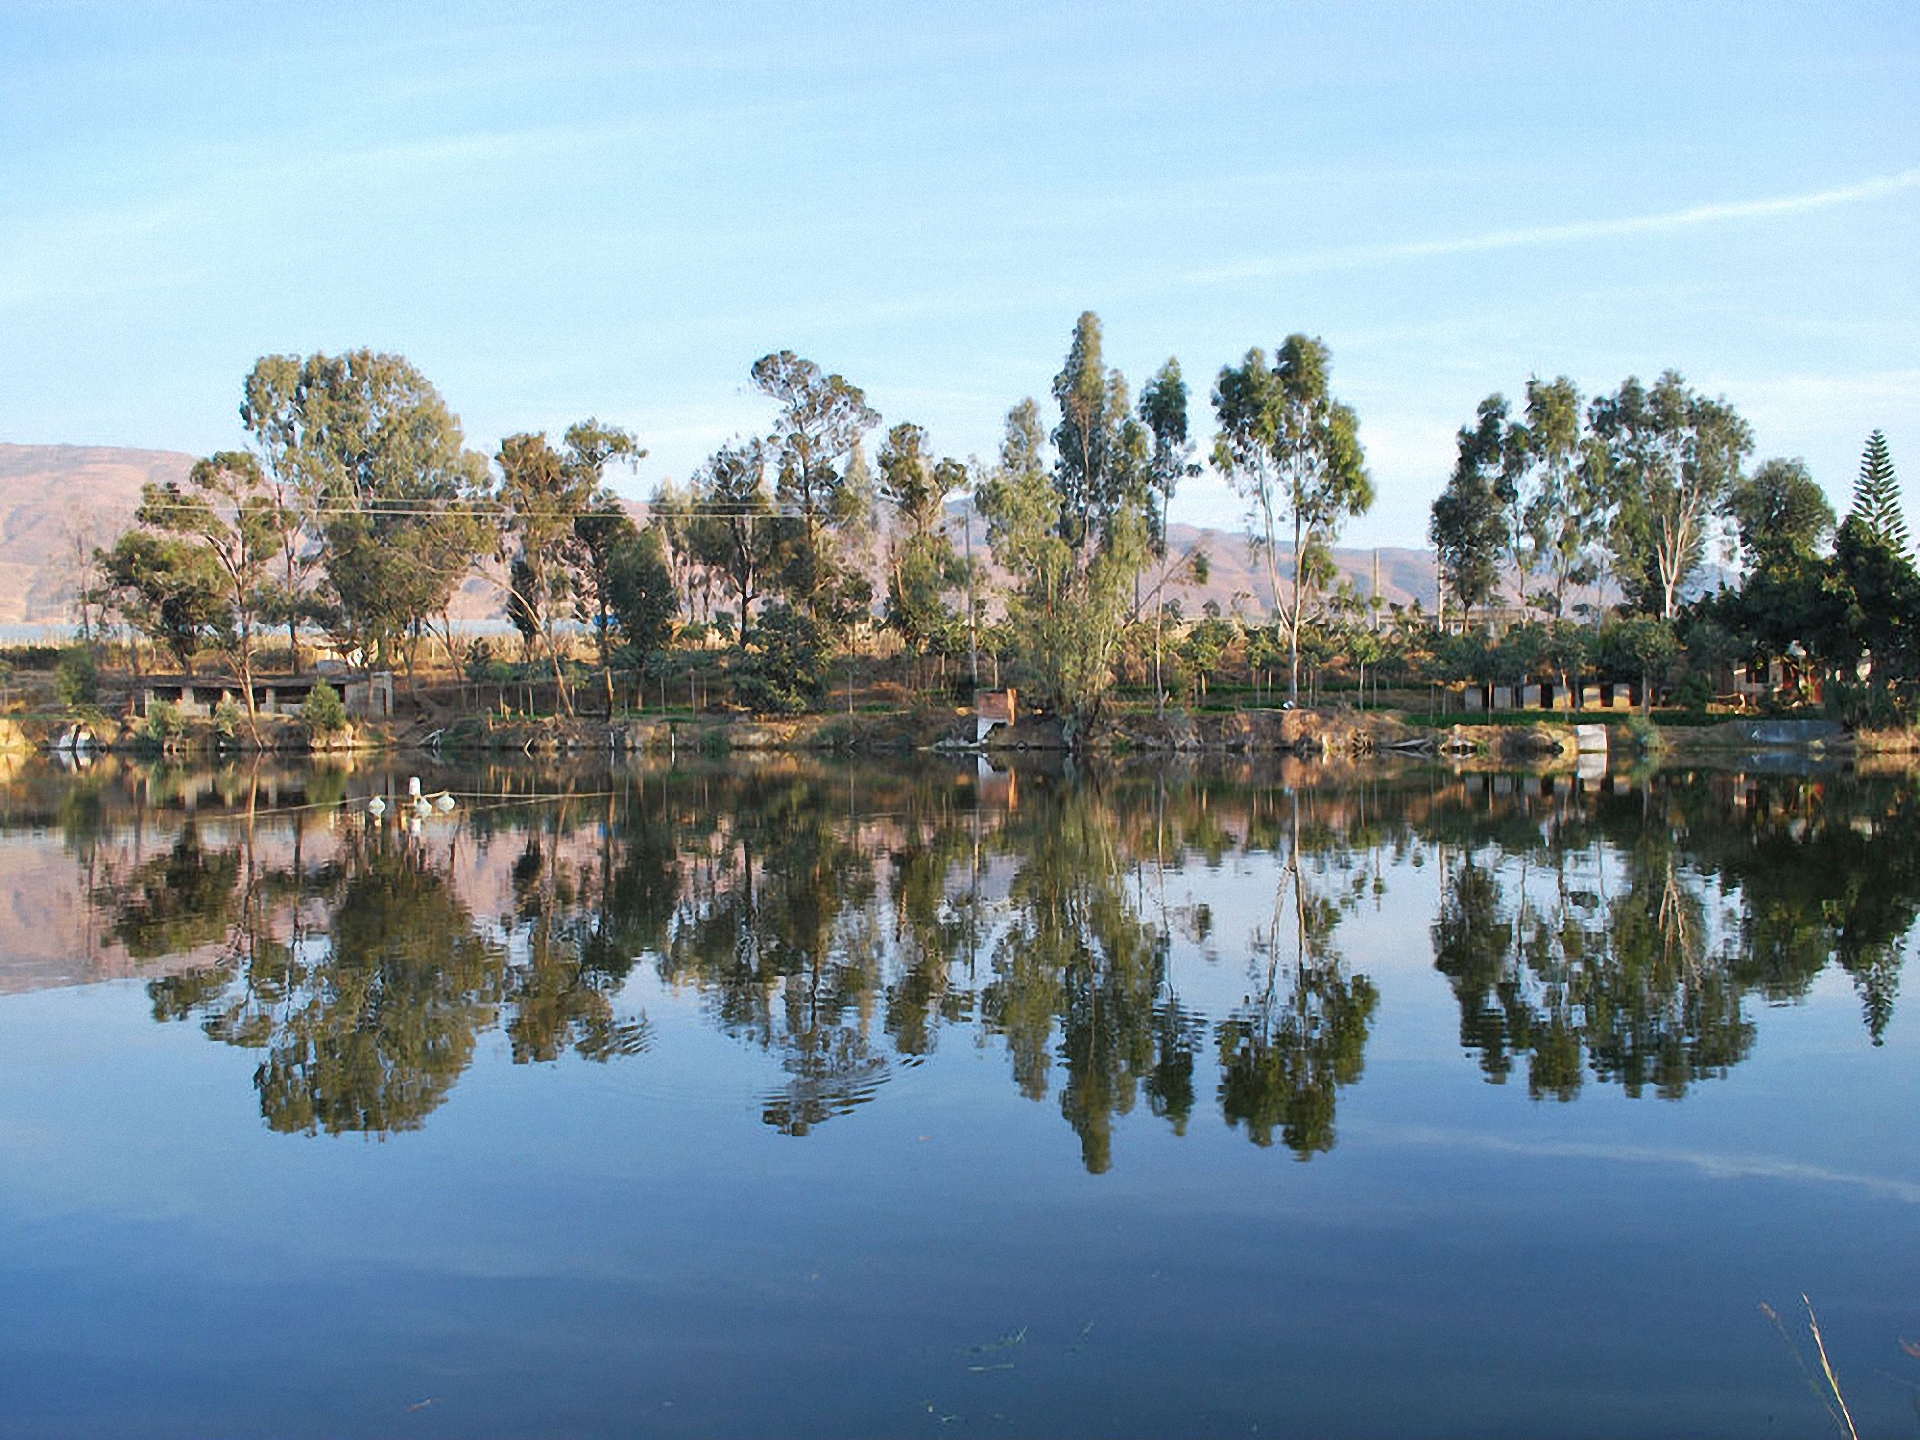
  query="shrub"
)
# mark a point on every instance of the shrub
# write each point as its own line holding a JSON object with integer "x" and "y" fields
{"x": 1644, "y": 735}
{"x": 324, "y": 712}
{"x": 784, "y": 669}
{"x": 227, "y": 716}
{"x": 1694, "y": 692}
{"x": 164, "y": 722}
{"x": 481, "y": 665}
{"x": 76, "y": 678}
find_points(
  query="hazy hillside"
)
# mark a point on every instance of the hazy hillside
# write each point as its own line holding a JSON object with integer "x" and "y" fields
{"x": 55, "y": 499}
{"x": 56, "y": 502}
{"x": 1237, "y": 575}
{"x": 1236, "y": 571}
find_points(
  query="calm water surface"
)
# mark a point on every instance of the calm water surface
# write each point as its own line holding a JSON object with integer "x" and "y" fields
{"x": 809, "y": 1099}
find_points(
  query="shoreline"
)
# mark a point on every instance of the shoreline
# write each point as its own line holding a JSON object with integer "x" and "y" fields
{"x": 1332, "y": 730}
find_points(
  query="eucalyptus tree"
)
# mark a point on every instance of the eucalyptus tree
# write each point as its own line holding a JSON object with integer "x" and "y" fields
{"x": 671, "y": 514}
{"x": 1672, "y": 457}
{"x": 1471, "y": 527}
{"x": 1075, "y": 533}
{"x": 272, "y": 412}
{"x": 559, "y": 528}
{"x": 379, "y": 462}
{"x": 1781, "y": 516}
{"x": 1523, "y": 500}
{"x": 733, "y": 526}
{"x": 922, "y": 568}
{"x": 227, "y": 512}
{"x": 1099, "y": 464}
{"x": 1021, "y": 505}
{"x": 166, "y": 589}
{"x": 822, "y": 418}
{"x": 640, "y": 593}
{"x": 540, "y": 496}
{"x": 1561, "y": 504}
{"x": 1294, "y": 452}
{"x": 1163, "y": 410}
{"x": 601, "y": 533}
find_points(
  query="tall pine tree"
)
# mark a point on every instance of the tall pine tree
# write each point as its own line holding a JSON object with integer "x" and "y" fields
{"x": 1876, "y": 496}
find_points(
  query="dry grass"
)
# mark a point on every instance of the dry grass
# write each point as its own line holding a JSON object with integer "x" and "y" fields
{"x": 1829, "y": 1395}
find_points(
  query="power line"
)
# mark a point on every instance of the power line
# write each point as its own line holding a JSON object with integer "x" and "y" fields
{"x": 492, "y": 509}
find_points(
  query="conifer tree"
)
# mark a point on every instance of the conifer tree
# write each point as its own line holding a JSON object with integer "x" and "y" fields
{"x": 1876, "y": 496}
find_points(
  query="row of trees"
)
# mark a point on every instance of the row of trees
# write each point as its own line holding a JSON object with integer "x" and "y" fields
{"x": 1634, "y": 488}
{"x": 1553, "y": 498}
{"x": 359, "y": 513}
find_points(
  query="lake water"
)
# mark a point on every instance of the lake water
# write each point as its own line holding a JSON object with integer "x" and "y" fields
{"x": 921, "y": 1099}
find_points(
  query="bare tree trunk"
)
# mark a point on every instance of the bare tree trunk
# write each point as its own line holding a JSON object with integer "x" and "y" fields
{"x": 246, "y": 682}
{"x": 562, "y": 693}
{"x": 1293, "y": 628}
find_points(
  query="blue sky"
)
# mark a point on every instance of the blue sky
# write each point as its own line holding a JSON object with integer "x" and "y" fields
{"x": 557, "y": 211}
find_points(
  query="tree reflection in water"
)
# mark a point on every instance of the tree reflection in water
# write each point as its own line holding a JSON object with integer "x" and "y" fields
{"x": 1621, "y": 937}
{"x": 1075, "y": 954}
{"x": 1290, "y": 1047}
{"x": 366, "y": 980}
{"x": 840, "y": 922}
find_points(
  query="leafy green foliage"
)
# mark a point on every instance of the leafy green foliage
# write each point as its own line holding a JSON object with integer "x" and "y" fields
{"x": 378, "y": 462}
{"x": 1639, "y": 647}
{"x": 1076, "y": 534}
{"x": 639, "y": 591}
{"x": 163, "y": 722}
{"x": 1781, "y": 515}
{"x": 922, "y": 567}
{"x": 1294, "y": 451}
{"x": 783, "y": 669}
{"x": 1672, "y": 458}
{"x": 821, "y": 420}
{"x": 558, "y": 530}
{"x": 167, "y": 589}
{"x": 1559, "y": 501}
{"x": 324, "y": 711}
{"x": 76, "y": 679}
{"x": 1100, "y": 450}
{"x": 732, "y": 528}
{"x": 1469, "y": 529}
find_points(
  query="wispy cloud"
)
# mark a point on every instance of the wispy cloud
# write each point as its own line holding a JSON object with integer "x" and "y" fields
{"x": 1715, "y": 1165}
{"x": 1355, "y": 257}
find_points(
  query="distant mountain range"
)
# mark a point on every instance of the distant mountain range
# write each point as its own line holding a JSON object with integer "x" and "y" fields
{"x": 58, "y": 501}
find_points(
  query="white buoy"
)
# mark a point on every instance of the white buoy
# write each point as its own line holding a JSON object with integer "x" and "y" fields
{"x": 376, "y": 807}
{"x": 413, "y": 787}
{"x": 444, "y": 804}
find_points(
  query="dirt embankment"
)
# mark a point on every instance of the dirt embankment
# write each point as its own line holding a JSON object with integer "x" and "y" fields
{"x": 1297, "y": 732}
{"x": 704, "y": 734}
